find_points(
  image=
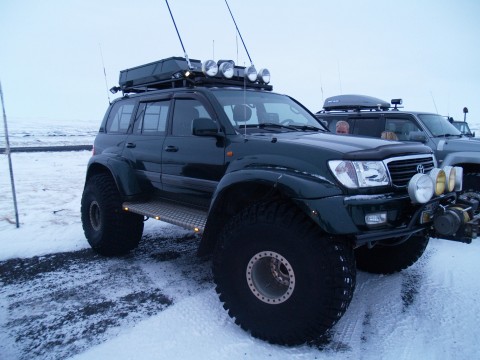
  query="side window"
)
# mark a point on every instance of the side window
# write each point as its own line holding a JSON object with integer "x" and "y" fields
{"x": 152, "y": 117}
{"x": 119, "y": 118}
{"x": 371, "y": 127}
{"x": 404, "y": 129}
{"x": 185, "y": 111}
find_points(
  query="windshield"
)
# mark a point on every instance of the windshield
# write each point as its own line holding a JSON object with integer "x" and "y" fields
{"x": 438, "y": 125}
{"x": 246, "y": 108}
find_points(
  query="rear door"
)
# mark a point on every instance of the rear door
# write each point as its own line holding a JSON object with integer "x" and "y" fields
{"x": 144, "y": 146}
{"x": 192, "y": 165}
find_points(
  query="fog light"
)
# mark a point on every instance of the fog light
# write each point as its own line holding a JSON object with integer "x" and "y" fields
{"x": 458, "y": 178}
{"x": 450, "y": 174}
{"x": 439, "y": 179}
{"x": 376, "y": 218}
{"x": 420, "y": 188}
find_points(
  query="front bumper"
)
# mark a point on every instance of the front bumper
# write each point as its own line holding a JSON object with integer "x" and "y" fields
{"x": 446, "y": 217}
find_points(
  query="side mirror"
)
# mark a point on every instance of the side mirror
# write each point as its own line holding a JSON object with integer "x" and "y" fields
{"x": 204, "y": 127}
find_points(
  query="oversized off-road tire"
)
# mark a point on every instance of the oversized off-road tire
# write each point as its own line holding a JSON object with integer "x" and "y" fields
{"x": 109, "y": 230}
{"x": 471, "y": 185}
{"x": 280, "y": 277}
{"x": 390, "y": 258}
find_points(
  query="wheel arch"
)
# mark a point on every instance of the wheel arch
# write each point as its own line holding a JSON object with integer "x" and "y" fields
{"x": 120, "y": 171}
{"x": 241, "y": 189}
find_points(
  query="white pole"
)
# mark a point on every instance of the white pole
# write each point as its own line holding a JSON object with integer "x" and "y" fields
{"x": 7, "y": 151}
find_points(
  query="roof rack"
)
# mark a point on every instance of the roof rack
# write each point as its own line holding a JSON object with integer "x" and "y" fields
{"x": 354, "y": 102}
{"x": 174, "y": 72}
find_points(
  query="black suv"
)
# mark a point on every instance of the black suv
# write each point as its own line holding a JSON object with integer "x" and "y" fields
{"x": 287, "y": 209}
{"x": 370, "y": 116}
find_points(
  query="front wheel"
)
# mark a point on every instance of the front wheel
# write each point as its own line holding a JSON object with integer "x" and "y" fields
{"x": 109, "y": 230}
{"x": 388, "y": 258}
{"x": 280, "y": 277}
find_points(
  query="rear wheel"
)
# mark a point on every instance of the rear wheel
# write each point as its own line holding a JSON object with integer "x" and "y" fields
{"x": 280, "y": 277}
{"x": 108, "y": 229}
{"x": 390, "y": 258}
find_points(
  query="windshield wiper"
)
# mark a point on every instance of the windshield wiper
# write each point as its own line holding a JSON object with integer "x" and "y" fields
{"x": 275, "y": 125}
{"x": 448, "y": 135}
{"x": 308, "y": 127}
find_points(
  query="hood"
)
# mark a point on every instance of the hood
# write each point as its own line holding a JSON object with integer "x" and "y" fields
{"x": 350, "y": 147}
{"x": 459, "y": 144}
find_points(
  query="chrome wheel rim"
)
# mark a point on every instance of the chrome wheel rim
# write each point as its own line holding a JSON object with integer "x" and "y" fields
{"x": 270, "y": 277}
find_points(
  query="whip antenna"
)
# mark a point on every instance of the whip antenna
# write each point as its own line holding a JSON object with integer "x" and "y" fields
{"x": 243, "y": 42}
{"x": 179, "y": 38}
{"x": 104, "y": 73}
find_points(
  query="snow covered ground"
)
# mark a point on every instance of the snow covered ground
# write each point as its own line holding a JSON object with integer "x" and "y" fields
{"x": 429, "y": 311}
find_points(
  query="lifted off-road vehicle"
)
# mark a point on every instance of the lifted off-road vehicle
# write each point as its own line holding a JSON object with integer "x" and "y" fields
{"x": 369, "y": 116}
{"x": 287, "y": 209}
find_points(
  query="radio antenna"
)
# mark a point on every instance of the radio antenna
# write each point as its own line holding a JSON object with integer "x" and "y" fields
{"x": 243, "y": 42}
{"x": 104, "y": 73}
{"x": 179, "y": 38}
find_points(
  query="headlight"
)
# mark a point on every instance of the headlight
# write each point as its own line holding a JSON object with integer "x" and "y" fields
{"x": 359, "y": 174}
{"x": 210, "y": 68}
{"x": 251, "y": 73}
{"x": 439, "y": 179}
{"x": 420, "y": 188}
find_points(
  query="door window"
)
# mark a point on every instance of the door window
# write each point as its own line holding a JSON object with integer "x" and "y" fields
{"x": 119, "y": 118}
{"x": 152, "y": 118}
{"x": 184, "y": 112}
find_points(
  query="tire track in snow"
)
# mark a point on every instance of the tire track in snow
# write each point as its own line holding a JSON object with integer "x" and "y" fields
{"x": 58, "y": 305}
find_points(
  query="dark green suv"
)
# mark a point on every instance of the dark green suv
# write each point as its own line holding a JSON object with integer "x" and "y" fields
{"x": 287, "y": 209}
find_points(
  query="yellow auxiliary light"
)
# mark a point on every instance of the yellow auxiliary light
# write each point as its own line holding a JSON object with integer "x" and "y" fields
{"x": 439, "y": 179}
{"x": 450, "y": 174}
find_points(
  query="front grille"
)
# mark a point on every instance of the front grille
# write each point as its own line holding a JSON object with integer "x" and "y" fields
{"x": 402, "y": 169}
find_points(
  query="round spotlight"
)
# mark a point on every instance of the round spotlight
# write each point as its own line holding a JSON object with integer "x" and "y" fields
{"x": 264, "y": 76}
{"x": 227, "y": 69}
{"x": 450, "y": 174}
{"x": 439, "y": 179}
{"x": 458, "y": 178}
{"x": 251, "y": 73}
{"x": 210, "y": 68}
{"x": 420, "y": 188}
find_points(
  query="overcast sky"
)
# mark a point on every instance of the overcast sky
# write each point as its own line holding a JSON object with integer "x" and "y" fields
{"x": 426, "y": 52}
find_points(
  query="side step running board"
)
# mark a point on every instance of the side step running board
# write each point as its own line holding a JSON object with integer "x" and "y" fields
{"x": 170, "y": 212}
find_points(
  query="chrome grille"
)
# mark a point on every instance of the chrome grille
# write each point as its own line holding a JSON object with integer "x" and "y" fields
{"x": 402, "y": 169}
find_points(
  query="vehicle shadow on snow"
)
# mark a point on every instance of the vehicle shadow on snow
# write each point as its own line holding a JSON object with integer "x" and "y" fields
{"x": 61, "y": 304}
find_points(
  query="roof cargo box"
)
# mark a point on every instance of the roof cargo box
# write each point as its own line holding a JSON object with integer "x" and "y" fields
{"x": 155, "y": 72}
{"x": 354, "y": 102}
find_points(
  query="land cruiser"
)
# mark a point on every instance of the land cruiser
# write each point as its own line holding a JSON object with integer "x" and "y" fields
{"x": 285, "y": 208}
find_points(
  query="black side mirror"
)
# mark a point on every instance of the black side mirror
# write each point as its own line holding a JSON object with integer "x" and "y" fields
{"x": 204, "y": 127}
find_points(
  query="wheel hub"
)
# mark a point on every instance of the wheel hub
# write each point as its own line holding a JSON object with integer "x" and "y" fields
{"x": 270, "y": 277}
{"x": 95, "y": 219}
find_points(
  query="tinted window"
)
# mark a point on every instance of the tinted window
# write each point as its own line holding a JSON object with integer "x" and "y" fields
{"x": 404, "y": 129}
{"x": 438, "y": 125}
{"x": 152, "y": 117}
{"x": 119, "y": 118}
{"x": 184, "y": 112}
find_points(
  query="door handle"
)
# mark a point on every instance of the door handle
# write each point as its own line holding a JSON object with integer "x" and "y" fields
{"x": 131, "y": 145}
{"x": 171, "y": 148}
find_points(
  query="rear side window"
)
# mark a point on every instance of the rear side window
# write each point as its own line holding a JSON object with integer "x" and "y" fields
{"x": 152, "y": 117}
{"x": 119, "y": 118}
